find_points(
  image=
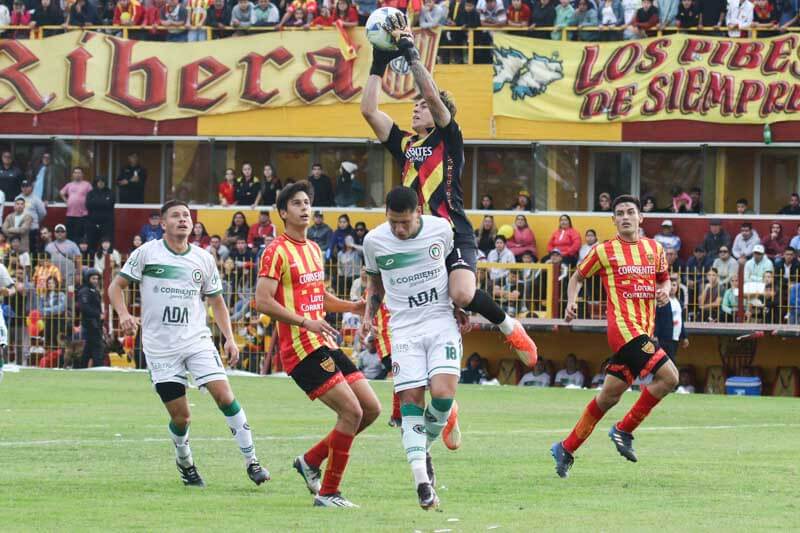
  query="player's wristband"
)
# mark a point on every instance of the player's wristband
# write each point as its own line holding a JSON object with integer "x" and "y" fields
{"x": 380, "y": 60}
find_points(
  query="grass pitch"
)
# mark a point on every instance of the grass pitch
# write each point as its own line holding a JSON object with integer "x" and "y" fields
{"x": 88, "y": 451}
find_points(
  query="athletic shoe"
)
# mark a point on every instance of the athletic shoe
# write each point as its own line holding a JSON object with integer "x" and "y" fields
{"x": 563, "y": 459}
{"x": 190, "y": 476}
{"x": 624, "y": 443}
{"x": 332, "y": 500}
{"x": 256, "y": 473}
{"x": 427, "y": 496}
{"x": 429, "y": 468}
{"x": 521, "y": 342}
{"x": 310, "y": 475}
{"x": 395, "y": 422}
{"x": 451, "y": 434}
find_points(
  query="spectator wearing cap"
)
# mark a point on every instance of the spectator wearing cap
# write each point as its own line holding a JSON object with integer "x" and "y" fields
{"x": 10, "y": 176}
{"x": 320, "y": 232}
{"x": 74, "y": 194}
{"x": 131, "y": 180}
{"x": 776, "y": 242}
{"x": 100, "y": 204}
{"x": 64, "y": 254}
{"x": 258, "y": 232}
{"x": 152, "y": 230}
{"x": 794, "y": 206}
{"x": 349, "y": 191}
{"x": 757, "y": 266}
{"x": 500, "y": 254}
{"x": 667, "y": 237}
{"x": 715, "y": 239}
{"x": 523, "y": 202}
{"x": 745, "y": 242}
{"x": 18, "y": 224}
{"x": 35, "y": 208}
{"x": 566, "y": 239}
{"x": 725, "y": 264}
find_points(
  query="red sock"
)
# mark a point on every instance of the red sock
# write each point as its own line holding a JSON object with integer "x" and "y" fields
{"x": 396, "y": 407}
{"x": 590, "y": 417}
{"x": 638, "y": 412}
{"x": 318, "y": 452}
{"x": 338, "y": 455}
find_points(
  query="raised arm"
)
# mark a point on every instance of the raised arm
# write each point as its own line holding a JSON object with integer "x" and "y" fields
{"x": 379, "y": 121}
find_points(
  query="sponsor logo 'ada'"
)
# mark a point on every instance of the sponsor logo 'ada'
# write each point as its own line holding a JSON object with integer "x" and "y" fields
{"x": 525, "y": 76}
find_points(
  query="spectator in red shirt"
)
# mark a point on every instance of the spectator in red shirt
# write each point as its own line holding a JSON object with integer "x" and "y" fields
{"x": 776, "y": 242}
{"x": 519, "y": 14}
{"x": 324, "y": 19}
{"x": 523, "y": 239}
{"x": 345, "y": 12}
{"x": 128, "y": 13}
{"x": 566, "y": 239}
{"x": 227, "y": 189}
{"x": 258, "y": 232}
{"x": 199, "y": 235}
{"x": 20, "y": 16}
{"x": 152, "y": 18}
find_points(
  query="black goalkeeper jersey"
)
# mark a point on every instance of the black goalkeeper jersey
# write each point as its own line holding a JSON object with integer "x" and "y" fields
{"x": 432, "y": 165}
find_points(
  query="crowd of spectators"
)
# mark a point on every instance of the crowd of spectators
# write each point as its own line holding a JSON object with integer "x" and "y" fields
{"x": 595, "y": 20}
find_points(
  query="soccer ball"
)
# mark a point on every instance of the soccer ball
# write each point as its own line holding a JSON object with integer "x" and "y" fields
{"x": 376, "y": 35}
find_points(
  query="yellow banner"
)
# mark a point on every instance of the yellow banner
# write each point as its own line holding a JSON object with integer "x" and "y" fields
{"x": 160, "y": 81}
{"x": 689, "y": 77}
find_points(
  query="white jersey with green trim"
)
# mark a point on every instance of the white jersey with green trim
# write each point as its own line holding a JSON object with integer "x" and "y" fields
{"x": 413, "y": 272}
{"x": 171, "y": 287}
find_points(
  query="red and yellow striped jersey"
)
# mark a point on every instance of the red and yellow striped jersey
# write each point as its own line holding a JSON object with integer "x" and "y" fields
{"x": 382, "y": 325}
{"x": 630, "y": 271}
{"x": 299, "y": 269}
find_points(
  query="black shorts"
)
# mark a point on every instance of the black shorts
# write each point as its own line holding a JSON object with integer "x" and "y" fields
{"x": 322, "y": 370}
{"x": 464, "y": 254}
{"x": 639, "y": 357}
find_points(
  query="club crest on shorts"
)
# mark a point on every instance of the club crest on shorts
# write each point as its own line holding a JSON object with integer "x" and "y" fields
{"x": 648, "y": 348}
{"x": 328, "y": 365}
{"x": 435, "y": 251}
{"x": 395, "y": 368}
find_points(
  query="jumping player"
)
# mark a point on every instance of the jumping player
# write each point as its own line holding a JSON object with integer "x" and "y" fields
{"x": 405, "y": 260}
{"x": 635, "y": 274}
{"x": 291, "y": 289}
{"x": 174, "y": 277}
{"x": 432, "y": 159}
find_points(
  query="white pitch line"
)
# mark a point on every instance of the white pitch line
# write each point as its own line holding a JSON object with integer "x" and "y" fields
{"x": 387, "y": 436}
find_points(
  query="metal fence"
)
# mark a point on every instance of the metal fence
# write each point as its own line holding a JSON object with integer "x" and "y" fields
{"x": 44, "y": 320}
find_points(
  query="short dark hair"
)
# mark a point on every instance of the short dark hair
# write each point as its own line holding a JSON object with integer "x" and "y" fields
{"x": 795, "y": 195}
{"x": 316, "y": 164}
{"x": 790, "y": 249}
{"x": 170, "y": 204}
{"x": 626, "y": 198}
{"x": 402, "y": 200}
{"x": 746, "y": 225}
{"x": 499, "y": 237}
{"x": 742, "y": 201}
{"x": 289, "y": 191}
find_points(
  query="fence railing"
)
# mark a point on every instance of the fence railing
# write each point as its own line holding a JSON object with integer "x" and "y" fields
{"x": 459, "y": 43}
{"x": 44, "y": 318}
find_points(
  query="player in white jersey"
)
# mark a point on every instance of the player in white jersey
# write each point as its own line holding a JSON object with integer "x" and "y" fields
{"x": 7, "y": 288}
{"x": 405, "y": 260}
{"x": 174, "y": 277}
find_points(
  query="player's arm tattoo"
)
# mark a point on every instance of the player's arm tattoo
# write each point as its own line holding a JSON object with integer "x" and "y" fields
{"x": 375, "y": 294}
{"x": 430, "y": 92}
